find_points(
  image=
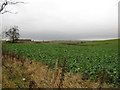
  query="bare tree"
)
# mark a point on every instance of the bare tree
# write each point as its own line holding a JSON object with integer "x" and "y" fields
{"x": 5, "y": 3}
{"x": 13, "y": 34}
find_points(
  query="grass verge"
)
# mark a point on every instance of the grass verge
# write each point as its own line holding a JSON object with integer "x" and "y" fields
{"x": 23, "y": 73}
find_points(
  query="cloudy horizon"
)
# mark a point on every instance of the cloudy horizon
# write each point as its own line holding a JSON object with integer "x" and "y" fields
{"x": 64, "y": 19}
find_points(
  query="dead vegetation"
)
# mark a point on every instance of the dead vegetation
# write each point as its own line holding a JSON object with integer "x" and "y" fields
{"x": 23, "y": 73}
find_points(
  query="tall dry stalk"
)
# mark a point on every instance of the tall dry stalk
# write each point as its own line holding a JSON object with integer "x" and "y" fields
{"x": 102, "y": 78}
{"x": 55, "y": 75}
{"x": 62, "y": 74}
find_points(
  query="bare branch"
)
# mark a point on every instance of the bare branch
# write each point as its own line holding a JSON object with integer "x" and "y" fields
{"x": 6, "y": 3}
{"x": 10, "y": 2}
{"x": 8, "y": 12}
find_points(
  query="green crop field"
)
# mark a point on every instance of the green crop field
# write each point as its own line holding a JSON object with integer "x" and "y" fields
{"x": 95, "y": 61}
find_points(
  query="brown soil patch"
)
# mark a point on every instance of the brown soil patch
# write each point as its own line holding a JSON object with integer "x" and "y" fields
{"x": 83, "y": 44}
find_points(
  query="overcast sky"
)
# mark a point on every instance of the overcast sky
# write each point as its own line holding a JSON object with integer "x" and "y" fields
{"x": 64, "y": 19}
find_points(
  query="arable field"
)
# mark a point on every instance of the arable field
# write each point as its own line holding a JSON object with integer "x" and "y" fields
{"x": 97, "y": 61}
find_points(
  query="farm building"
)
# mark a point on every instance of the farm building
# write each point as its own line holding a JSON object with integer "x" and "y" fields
{"x": 24, "y": 39}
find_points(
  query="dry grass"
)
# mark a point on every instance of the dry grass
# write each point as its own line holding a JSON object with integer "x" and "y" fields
{"x": 23, "y": 73}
